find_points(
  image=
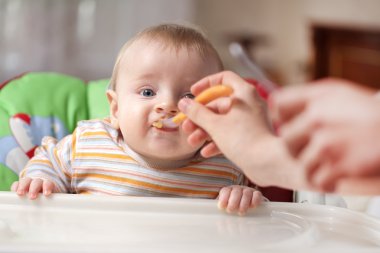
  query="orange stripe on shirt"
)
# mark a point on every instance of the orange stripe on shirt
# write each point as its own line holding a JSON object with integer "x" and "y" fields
{"x": 216, "y": 164}
{"x": 39, "y": 161}
{"x": 155, "y": 178}
{"x": 210, "y": 172}
{"x": 59, "y": 162}
{"x": 104, "y": 155}
{"x": 145, "y": 184}
{"x": 97, "y": 133}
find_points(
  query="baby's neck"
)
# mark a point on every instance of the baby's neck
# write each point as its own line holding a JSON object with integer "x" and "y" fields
{"x": 157, "y": 163}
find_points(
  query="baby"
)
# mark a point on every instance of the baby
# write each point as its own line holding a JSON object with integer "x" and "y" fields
{"x": 126, "y": 154}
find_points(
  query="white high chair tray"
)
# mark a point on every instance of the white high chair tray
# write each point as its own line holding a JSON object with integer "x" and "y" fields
{"x": 83, "y": 223}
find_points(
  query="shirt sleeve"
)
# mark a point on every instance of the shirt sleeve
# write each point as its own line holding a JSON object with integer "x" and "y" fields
{"x": 243, "y": 180}
{"x": 240, "y": 178}
{"x": 52, "y": 161}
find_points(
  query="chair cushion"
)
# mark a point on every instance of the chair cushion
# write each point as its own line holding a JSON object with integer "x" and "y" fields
{"x": 97, "y": 103}
{"x": 34, "y": 105}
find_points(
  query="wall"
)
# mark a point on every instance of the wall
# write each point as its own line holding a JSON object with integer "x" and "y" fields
{"x": 286, "y": 23}
{"x": 82, "y": 37}
{"x": 76, "y": 37}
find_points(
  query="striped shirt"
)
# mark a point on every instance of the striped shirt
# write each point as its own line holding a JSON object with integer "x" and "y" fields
{"x": 95, "y": 159}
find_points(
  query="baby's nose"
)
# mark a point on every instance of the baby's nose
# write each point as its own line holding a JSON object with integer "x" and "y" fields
{"x": 166, "y": 108}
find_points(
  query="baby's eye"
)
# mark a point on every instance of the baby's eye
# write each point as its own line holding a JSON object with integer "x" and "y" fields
{"x": 188, "y": 95}
{"x": 147, "y": 93}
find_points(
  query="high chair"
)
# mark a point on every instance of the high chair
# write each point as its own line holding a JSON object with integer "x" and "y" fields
{"x": 34, "y": 105}
{"x": 37, "y": 104}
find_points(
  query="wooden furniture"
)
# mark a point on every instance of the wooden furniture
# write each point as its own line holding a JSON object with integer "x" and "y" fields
{"x": 352, "y": 53}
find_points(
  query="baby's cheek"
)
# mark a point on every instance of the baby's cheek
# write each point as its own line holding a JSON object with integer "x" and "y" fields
{"x": 133, "y": 122}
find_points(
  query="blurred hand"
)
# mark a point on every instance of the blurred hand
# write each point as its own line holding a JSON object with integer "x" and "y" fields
{"x": 332, "y": 127}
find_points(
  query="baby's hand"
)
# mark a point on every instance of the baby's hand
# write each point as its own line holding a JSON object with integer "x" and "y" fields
{"x": 34, "y": 186}
{"x": 236, "y": 198}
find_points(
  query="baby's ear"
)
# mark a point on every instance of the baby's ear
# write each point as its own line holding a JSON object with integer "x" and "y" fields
{"x": 112, "y": 100}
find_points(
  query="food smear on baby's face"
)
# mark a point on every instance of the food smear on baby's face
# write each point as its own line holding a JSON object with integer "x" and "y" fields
{"x": 158, "y": 124}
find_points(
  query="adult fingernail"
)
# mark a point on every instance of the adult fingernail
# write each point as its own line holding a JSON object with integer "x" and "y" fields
{"x": 184, "y": 104}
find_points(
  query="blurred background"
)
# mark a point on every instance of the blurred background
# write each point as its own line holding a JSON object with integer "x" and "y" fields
{"x": 293, "y": 41}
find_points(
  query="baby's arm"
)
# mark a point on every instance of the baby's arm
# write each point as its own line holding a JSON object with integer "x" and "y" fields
{"x": 48, "y": 171}
{"x": 238, "y": 198}
{"x": 34, "y": 186}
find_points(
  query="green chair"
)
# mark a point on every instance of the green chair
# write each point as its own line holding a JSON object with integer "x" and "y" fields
{"x": 34, "y": 105}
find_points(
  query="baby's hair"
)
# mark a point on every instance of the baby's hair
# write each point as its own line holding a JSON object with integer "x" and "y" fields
{"x": 173, "y": 35}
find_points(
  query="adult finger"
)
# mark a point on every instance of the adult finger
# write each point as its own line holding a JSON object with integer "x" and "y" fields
{"x": 198, "y": 137}
{"x": 220, "y": 105}
{"x": 198, "y": 113}
{"x": 327, "y": 177}
{"x": 314, "y": 154}
{"x": 210, "y": 150}
{"x": 196, "y": 134}
{"x": 286, "y": 103}
{"x": 296, "y": 133}
{"x": 362, "y": 185}
{"x": 229, "y": 78}
{"x": 224, "y": 77}
{"x": 189, "y": 127}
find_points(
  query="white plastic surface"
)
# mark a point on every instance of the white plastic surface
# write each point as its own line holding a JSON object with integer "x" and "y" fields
{"x": 80, "y": 223}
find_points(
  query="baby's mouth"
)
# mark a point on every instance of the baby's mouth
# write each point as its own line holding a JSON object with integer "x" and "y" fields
{"x": 158, "y": 124}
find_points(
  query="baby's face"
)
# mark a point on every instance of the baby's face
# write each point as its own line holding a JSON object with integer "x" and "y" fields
{"x": 151, "y": 81}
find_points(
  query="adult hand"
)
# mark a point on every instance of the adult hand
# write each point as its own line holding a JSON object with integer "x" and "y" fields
{"x": 332, "y": 127}
{"x": 239, "y": 128}
{"x": 244, "y": 101}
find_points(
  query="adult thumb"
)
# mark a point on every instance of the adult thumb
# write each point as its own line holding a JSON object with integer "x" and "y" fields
{"x": 197, "y": 113}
